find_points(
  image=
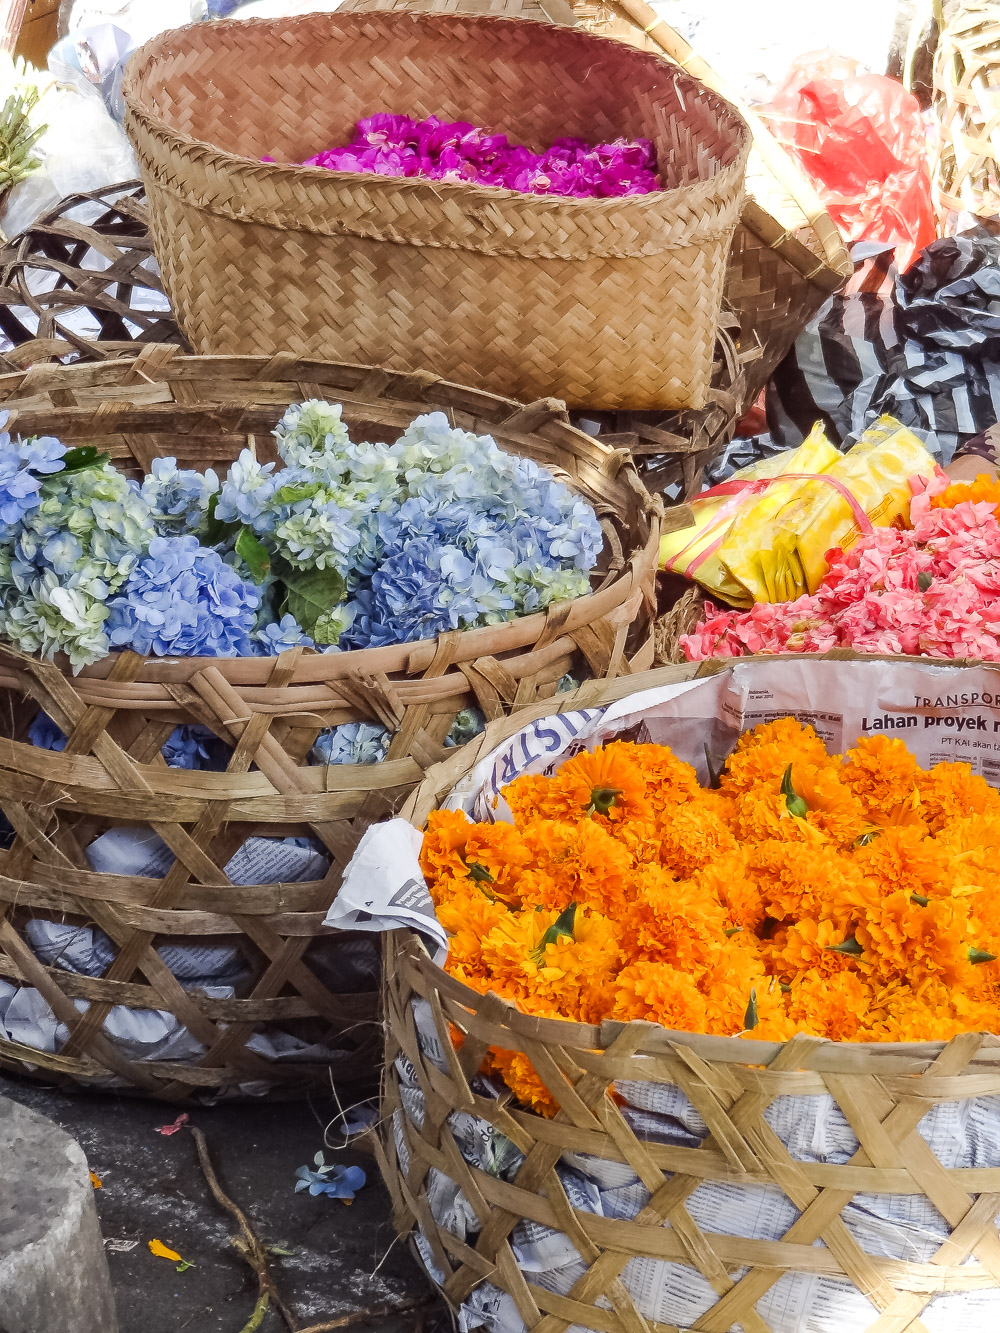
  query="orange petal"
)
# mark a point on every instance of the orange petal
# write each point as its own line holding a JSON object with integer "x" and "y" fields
{"x": 158, "y": 1248}
{"x": 96, "y": 1181}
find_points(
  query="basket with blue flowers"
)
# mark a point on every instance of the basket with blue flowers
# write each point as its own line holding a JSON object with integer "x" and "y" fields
{"x": 244, "y": 604}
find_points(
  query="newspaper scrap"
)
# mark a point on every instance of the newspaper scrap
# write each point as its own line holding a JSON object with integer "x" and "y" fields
{"x": 944, "y": 713}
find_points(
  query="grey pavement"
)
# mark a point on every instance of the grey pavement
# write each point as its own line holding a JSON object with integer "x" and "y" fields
{"x": 342, "y": 1262}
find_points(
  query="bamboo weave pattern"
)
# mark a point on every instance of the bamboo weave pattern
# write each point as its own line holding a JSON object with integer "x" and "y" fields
{"x": 118, "y": 713}
{"x": 605, "y": 303}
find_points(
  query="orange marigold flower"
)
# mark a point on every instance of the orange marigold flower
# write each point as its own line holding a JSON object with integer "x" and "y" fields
{"x": 905, "y": 858}
{"x": 669, "y": 781}
{"x": 809, "y": 946}
{"x": 832, "y": 812}
{"x": 901, "y": 937}
{"x": 468, "y": 923}
{"x": 727, "y": 881}
{"x": 589, "y": 866}
{"x": 762, "y": 755}
{"x": 526, "y": 796}
{"x": 736, "y": 970}
{"x": 985, "y": 487}
{"x": 829, "y": 1006}
{"x": 659, "y": 993}
{"x": 693, "y": 837}
{"x": 443, "y": 845}
{"x": 952, "y": 791}
{"x": 671, "y": 921}
{"x": 497, "y": 851}
{"x": 882, "y": 773}
{"x": 520, "y": 1075}
{"x": 797, "y": 881}
{"x": 606, "y": 785}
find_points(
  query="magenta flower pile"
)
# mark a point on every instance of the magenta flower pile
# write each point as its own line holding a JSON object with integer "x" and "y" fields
{"x": 457, "y": 151}
{"x": 932, "y": 590}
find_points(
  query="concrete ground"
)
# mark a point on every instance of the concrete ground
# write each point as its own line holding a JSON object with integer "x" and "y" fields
{"x": 341, "y": 1265}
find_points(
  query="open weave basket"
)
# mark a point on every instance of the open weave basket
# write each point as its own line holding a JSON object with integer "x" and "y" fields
{"x": 118, "y": 712}
{"x": 84, "y": 274}
{"x": 883, "y": 1091}
{"x": 606, "y": 303}
{"x": 787, "y": 256}
{"x": 967, "y": 110}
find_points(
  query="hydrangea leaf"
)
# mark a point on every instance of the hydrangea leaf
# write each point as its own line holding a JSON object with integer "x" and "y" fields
{"x": 87, "y": 456}
{"x": 311, "y": 593}
{"x": 254, "y": 555}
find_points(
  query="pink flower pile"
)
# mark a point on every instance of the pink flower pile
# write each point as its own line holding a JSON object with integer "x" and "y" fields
{"x": 401, "y": 146}
{"x": 932, "y": 590}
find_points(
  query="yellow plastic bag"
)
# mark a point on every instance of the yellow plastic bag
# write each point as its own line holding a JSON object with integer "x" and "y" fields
{"x": 695, "y": 551}
{"x": 761, "y": 538}
{"x": 777, "y": 553}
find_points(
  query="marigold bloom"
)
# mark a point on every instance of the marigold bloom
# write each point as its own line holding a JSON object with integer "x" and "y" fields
{"x": 693, "y": 837}
{"x": 671, "y": 921}
{"x": 659, "y": 993}
{"x": 882, "y": 773}
{"x": 762, "y": 755}
{"x": 952, "y": 791}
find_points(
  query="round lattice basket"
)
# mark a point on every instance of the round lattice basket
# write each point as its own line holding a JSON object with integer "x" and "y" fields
{"x": 82, "y": 281}
{"x": 294, "y": 1003}
{"x": 686, "y": 1181}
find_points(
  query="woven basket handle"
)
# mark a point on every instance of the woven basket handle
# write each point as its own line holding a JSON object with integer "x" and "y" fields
{"x": 773, "y": 155}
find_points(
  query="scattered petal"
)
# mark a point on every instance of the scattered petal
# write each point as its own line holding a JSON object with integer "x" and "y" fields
{"x": 96, "y": 1181}
{"x": 179, "y": 1123}
{"x": 157, "y": 1248}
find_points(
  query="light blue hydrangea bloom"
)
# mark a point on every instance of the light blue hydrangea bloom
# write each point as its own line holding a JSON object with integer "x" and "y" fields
{"x": 183, "y": 600}
{"x": 275, "y": 638}
{"x": 178, "y": 498}
{"x": 352, "y": 743}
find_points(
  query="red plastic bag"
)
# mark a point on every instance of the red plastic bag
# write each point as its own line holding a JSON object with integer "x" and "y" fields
{"x": 861, "y": 140}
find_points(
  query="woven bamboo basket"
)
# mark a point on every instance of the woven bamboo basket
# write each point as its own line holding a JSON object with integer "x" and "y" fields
{"x": 118, "y": 713}
{"x": 787, "y": 256}
{"x": 967, "y": 110}
{"x": 433, "y": 1112}
{"x": 82, "y": 277}
{"x": 606, "y": 303}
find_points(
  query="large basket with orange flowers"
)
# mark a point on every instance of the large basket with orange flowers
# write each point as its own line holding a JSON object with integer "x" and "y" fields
{"x": 697, "y": 1030}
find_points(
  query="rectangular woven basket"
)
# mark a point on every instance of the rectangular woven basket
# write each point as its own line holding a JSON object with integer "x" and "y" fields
{"x": 606, "y": 303}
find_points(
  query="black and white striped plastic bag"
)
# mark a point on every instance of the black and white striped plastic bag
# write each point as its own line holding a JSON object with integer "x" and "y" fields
{"x": 923, "y": 346}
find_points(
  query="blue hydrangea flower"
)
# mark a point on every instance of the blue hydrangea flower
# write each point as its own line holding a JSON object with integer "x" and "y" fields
{"x": 287, "y": 633}
{"x": 337, "y": 1182}
{"x": 308, "y": 431}
{"x": 352, "y": 743}
{"x": 44, "y": 733}
{"x": 246, "y": 492}
{"x": 23, "y": 465}
{"x": 183, "y": 600}
{"x": 192, "y": 746}
{"x": 178, "y": 498}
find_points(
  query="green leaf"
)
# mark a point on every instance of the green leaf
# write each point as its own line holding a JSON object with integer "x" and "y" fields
{"x": 79, "y": 460}
{"x": 289, "y": 495}
{"x": 850, "y": 946}
{"x": 868, "y": 837}
{"x": 735, "y": 930}
{"x": 919, "y": 899}
{"x": 184, "y": 1265}
{"x": 479, "y": 873}
{"x": 925, "y": 580}
{"x": 311, "y": 593}
{"x": 981, "y": 956}
{"x": 563, "y": 925}
{"x": 795, "y": 804}
{"x": 214, "y": 529}
{"x": 254, "y": 555}
{"x": 751, "y": 1017}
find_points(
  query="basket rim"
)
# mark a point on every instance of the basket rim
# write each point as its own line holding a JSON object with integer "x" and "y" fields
{"x": 546, "y": 628}
{"x": 847, "y": 1056}
{"x": 158, "y": 47}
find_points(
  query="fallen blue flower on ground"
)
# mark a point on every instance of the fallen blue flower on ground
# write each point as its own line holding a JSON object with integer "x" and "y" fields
{"x": 339, "y": 1182}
